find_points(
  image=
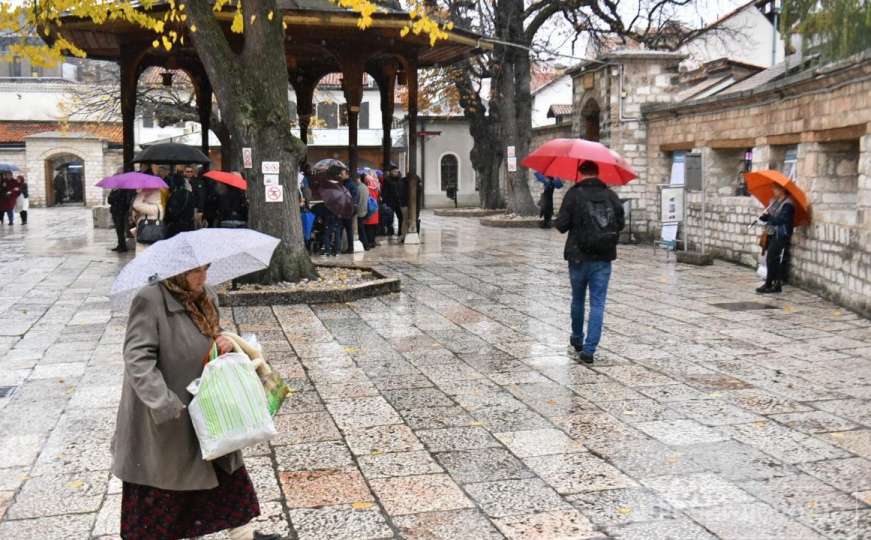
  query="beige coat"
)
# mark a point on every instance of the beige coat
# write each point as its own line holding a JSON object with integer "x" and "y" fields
{"x": 155, "y": 443}
{"x": 146, "y": 205}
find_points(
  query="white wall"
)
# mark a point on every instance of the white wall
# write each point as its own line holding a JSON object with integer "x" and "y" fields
{"x": 558, "y": 92}
{"x": 454, "y": 139}
{"x": 746, "y": 37}
{"x": 31, "y": 102}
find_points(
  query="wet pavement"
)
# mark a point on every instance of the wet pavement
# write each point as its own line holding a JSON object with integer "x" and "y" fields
{"x": 452, "y": 410}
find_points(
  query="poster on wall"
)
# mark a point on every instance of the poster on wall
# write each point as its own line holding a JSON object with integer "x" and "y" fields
{"x": 678, "y": 169}
{"x": 672, "y": 204}
{"x": 274, "y": 193}
{"x": 512, "y": 164}
{"x": 247, "y": 162}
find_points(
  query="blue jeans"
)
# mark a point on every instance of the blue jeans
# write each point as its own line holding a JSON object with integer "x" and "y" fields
{"x": 333, "y": 234}
{"x": 595, "y": 275}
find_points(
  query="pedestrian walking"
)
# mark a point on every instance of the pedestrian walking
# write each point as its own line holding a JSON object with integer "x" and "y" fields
{"x": 9, "y": 192}
{"x": 348, "y": 222}
{"x": 362, "y": 210}
{"x": 168, "y": 491}
{"x": 181, "y": 206}
{"x": 120, "y": 201}
{"x": 146, "y": 207}
{"x": 22, "y": 204}
{"x": 392, "y": 197}
{"x": 592, "y": 215}
{"x": 373, "y": 218}
{"x": 778, "y": 219}
{"x": 545, "y": 203}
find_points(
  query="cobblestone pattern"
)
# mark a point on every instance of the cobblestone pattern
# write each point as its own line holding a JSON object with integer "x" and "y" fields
{"x": 451, "y": 410}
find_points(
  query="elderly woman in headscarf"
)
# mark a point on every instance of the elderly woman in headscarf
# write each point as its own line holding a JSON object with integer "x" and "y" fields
{"x": 169, "y": 491}
{"x": 371, "y": 222}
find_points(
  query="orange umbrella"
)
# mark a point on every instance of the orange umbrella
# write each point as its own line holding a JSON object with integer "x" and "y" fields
{"x": 760, "y": 185}
{"x": 231, "y": 179}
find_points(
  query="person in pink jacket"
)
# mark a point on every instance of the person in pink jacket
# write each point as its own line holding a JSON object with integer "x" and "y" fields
{"x": 372, "y": 221}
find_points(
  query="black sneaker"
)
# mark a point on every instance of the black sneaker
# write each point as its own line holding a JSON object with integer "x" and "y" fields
{"x": 765, "y": 289}
{"x": 586, "y": 358}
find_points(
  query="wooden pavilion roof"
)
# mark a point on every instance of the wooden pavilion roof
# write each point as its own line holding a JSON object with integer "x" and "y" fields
{"x": 310, "y": 23}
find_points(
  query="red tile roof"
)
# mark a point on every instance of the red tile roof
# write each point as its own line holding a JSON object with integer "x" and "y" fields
{"x": 559, "y": 110}
{"x": 15, "y": 132}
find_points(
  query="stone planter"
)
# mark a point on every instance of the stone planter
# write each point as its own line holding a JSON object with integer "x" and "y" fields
{"x": 466, "y": 212}
{"x": 378, "y": 287}
{"x": 503, "y": 221}
{"x": 695, "y": 258}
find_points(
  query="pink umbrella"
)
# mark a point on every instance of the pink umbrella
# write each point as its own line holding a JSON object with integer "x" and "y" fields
{"x": 560, "y": 158}
{"x": 132, "y": 180}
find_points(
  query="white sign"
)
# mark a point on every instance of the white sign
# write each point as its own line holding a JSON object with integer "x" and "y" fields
{"x": 510, "y": 152}
{"x": 270, "y": 179}
{"x": 270, "y": 167}
{"x": 247, "y": 162}
{"x": 672, "y": 204}
{"x": 274, "y": 193}
{"x": 512, "y": 163}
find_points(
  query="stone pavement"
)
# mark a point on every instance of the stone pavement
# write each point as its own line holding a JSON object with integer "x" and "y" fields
{"x": 451, "y": 410}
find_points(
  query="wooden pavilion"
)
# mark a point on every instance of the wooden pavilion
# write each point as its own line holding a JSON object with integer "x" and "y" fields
{"x": 321, "y": 38}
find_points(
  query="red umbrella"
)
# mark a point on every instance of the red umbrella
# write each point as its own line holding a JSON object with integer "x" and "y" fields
{"x": 231, "y": 179}
{"x": 560, "y": 158}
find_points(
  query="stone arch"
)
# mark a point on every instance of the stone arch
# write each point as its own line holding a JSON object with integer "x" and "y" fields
{"x": 444, "y": 169}
{"x": 64, "y": 176}
{"x": 591, "y": 120}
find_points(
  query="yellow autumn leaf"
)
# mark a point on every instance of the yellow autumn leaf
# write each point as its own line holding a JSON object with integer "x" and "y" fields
{"x": 238, "y": 23}
{"x": 253, "y": 18}
{"x": 155, "y": 44}
{"x": 624, "y": 510}
{"x": 193, "y": 28}
{"x": 76, "y": 484}
{"x": 362, "y": 505}
{"x": 376, "y": 453}
{"x": 270, "y": 15}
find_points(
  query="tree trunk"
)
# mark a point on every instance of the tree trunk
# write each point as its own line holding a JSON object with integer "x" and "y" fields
{"x": 251, "y": 87}
{"x": 511, "y": 81}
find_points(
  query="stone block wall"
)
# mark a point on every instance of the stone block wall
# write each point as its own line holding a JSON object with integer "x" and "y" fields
{"x": 89, "y": 150}
{"x": 826, "y": 117}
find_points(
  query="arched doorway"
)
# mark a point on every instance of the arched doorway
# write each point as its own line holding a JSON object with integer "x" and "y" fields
{"x": 64, "y": 180}
{"x": 590, "y": 120}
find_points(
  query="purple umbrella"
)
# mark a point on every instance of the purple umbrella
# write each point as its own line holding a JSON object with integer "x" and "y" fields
{"x": 132, "y": 180}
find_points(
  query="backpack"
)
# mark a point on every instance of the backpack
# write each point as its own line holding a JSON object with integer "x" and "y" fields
{"x": 372, "y": 207}
{"x": 600, "y": 229}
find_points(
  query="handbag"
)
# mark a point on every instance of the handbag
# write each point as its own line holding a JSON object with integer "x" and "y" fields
{"x": 763, "y": 241}
{"x": 149, "y": 231}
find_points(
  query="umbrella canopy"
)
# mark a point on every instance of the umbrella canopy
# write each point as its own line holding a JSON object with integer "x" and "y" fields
{"x": 8, "y": 167}
{"x": 761, "y": 184}
{"x": 230, "y": 252}
{"x": 321, "y": 169}
{"x": 337, "y": 198}
{"x": 171, "y": 154}
{"x": 132, "y": 180}
{"x": 561, "y": 157}
{"x": 231, "y": 179}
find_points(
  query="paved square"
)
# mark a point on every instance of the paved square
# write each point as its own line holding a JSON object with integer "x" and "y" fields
{"x": 452, "y": 410}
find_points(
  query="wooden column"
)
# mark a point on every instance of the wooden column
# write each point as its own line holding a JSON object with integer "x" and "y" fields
{"x": 352, "y": 86}
{"x": 304, "y": 87}
{"x": 387, "y": 87}
{"x": 412, "y": 237}
{"x": 204, "y": 109}
{"x": 129, "y": 64}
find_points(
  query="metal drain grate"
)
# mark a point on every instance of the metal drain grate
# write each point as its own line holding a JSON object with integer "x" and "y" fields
{"x": 6, "y": 391}
{"x": 744, "y": 306}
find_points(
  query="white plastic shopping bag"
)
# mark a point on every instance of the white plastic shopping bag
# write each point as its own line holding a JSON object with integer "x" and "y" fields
{"x": 762, "y": 269}
{"x": 229, "y": 410}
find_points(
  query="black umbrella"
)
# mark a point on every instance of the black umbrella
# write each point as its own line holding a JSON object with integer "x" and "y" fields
{"x": 336, "y": 198}
{"x": 171, "y": 154}
{"x": 327, "y": 168}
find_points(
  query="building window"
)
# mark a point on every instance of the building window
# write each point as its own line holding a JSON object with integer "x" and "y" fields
{"x": 449, "y": 172}
{"x": 329, "y": 113}
{"x": 15, "y": 67}
{"x": 362, "y": 116}
{"x": 790, "y": 158}
{"x": 147, "y": 116}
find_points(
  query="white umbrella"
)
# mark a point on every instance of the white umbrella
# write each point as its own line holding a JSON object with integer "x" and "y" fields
{"x": 230, "y": 252}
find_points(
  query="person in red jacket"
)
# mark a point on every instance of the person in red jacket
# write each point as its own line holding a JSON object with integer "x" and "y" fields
{"x": 372, "y": 221}
{"x": 9, "y": 190}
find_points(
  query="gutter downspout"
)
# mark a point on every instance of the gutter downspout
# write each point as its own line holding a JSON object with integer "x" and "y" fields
{"x": 622, "y": 116}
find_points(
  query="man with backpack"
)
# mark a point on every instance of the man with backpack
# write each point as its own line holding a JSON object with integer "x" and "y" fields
{"x": 592, "y": 215}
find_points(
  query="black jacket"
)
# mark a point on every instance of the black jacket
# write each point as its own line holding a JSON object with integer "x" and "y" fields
{"x": 120, "y": 201}
{"x": 570, "y": 219}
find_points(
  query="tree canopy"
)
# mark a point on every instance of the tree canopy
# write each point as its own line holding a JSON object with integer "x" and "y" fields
{"x": 835, "y": 28}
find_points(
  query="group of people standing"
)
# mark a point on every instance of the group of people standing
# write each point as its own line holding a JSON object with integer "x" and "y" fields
{"x": 14, "y": 197}
{"x": 375, "y": 200}
{"x": 189, "y": 203}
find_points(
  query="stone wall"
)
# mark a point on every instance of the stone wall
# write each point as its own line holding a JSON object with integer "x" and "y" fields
{"x": 825, "y": 115}
{"x": 40, "y": 148}
{"x": 647, "y": 77}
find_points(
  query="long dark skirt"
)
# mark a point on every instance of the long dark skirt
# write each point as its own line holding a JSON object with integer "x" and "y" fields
{"x": 150, "y": 513}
